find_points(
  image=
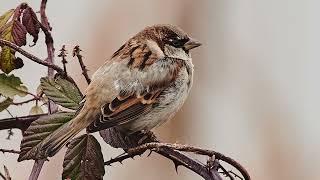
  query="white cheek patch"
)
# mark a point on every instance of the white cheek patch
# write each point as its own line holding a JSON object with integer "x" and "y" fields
{"x": 178, "y": 53}
{"x": 155, "y": 48}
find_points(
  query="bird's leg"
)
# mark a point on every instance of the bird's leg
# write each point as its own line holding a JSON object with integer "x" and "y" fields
{"x": 146, "y": 136}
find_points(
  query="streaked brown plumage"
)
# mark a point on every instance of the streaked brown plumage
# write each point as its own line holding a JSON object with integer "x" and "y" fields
{"x": 144, "y": 84}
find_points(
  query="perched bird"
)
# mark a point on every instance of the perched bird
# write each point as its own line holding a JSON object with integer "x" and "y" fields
{"x": 140, "y": 87}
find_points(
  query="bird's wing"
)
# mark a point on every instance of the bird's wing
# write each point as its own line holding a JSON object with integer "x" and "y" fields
{"x": 125, "y": 109}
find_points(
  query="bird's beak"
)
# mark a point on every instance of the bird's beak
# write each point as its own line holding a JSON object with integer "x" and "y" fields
{"x": 192, "y": 43}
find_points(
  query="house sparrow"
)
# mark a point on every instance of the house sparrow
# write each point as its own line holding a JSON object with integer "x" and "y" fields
{"x": 140, "y": 87}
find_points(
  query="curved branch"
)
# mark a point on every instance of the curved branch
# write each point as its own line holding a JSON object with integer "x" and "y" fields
{"x": 157, "y": 146}
{"x": 30, "y": 56}
{"x": 173, "y": 152}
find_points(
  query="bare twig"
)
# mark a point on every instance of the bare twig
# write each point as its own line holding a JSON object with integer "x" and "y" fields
{"x": 26, "y": 101}
{"x": 76, "y": 52}
{"x": 6, "y": 173}
{"x": 44, "y": 18}
{"x": 3, "y": 177}
{"x": 10, "y": 132}
{"x": 36, "y": 169}
{"x": 63, "y": 55}
{"x": 226, "y": 173}
{"x": 30, "y": 56}
{"x": 45, "y": 26}
{"x": 9, "y": 151}
{"x": 52, "y": 107}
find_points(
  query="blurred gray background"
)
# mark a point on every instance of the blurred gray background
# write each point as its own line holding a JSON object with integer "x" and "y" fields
{"x": 256, "y": 93}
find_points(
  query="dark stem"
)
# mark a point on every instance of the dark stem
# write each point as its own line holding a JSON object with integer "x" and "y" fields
{"x": 76, "y": 52}
{"x": 9, "y": 151}
{"x": 6, "y": 173}
{"x": 26, "y": 101}
{"x": 186, "y": 162}
{"x": 19, "y": 122}
{"x": 30, "y": 56}
{"x": 3, "y": 177}
{"x": 36, "y": 169}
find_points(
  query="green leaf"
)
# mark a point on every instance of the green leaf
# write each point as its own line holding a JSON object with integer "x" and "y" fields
{"x": 5, "y": 104}
{"x": 62, "y": 92}
{"x": 5, "y": 17}
{"x": 36, "y": 110}
{"x": 11, "y": 86}
{"x": 83, "y": 159}
{"x": 38, "y": 131}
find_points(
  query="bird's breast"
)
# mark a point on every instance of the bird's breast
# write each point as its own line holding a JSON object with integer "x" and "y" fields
{"x": 168, "y": 103}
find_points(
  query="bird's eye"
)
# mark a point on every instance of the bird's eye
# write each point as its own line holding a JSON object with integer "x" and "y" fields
{"x": 177, "y": 41}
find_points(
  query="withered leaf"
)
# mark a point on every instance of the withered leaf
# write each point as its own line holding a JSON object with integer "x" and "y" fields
{"x": 83, "y": 159}
{"x": 5, "y": 104}
{"x": 30, "y": 21}
{"x": 35, "y": 110}
{"x": 8, "y": 61}
{"x": 19, "y": 33}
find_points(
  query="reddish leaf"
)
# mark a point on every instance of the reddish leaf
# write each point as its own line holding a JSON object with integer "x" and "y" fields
{"x": 19, "y": 33}
{"x": 30, "y": 21}
{"x": 19, "y": 10}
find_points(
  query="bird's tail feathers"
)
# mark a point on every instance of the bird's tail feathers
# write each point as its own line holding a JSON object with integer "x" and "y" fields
{"x": 59, "y": 138}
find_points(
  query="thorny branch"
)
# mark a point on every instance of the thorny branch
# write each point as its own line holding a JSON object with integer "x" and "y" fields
{"x": 9, "y": 151}
{"x": 171, "y": 151}
{"x": 21, "y": 123}
{"x": 185, "y": 148}
{"x": 76, "y": 52}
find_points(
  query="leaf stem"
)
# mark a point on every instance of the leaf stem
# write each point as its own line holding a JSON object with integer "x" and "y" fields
{"x": 26, "y": 101}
